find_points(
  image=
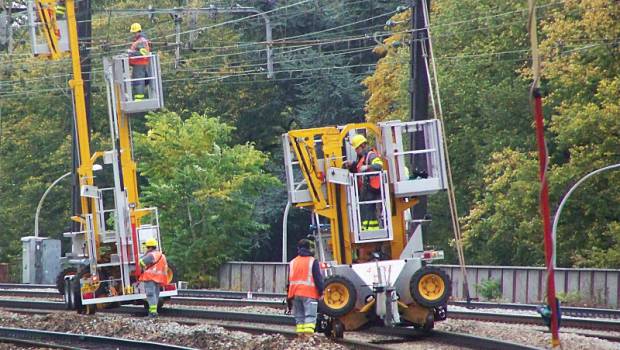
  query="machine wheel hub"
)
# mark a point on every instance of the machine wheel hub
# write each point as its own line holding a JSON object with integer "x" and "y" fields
{"x": 431, "y": 286}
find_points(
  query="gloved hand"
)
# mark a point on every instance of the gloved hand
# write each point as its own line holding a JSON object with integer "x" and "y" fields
{"x": 364, "y": 168}
{"x": 144, "y": 52}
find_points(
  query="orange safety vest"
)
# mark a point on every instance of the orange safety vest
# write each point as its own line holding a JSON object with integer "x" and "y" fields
{"x": 158, "y": 271}
{"x": 300, "y": 280}
{"x": 375, "y": 180}
{"x": 140, "y": 60}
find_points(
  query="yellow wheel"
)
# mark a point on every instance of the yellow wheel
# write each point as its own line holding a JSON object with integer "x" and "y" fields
{"x": 336, "y": 296}
{"x": 339, "y": 296}
{"x": 430, "y": 287}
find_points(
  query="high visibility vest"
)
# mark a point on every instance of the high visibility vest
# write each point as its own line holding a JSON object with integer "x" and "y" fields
{"x": 375, "y": 180}
{"x": 140, "y": 43}
{"x": 158, "y": 271}
{"x": 300, "y": 280}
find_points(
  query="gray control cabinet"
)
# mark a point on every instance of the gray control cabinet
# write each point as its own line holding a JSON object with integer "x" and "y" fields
{"x": 40, "y": 260}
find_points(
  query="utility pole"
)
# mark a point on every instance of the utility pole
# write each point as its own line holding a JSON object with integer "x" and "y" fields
{"x": 419, "y": 91}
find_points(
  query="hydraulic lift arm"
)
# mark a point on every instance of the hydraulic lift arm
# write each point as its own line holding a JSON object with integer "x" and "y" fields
{"x": 46, "y": 10}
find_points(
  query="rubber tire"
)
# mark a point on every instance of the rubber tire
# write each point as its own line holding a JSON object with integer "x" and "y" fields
{"x": 69, "y": 298}
{"x": 90, "y": 309}
{"x": 348, "y": 307}
{"x": 419, "y": 299}
{"x": 60, "y": 279}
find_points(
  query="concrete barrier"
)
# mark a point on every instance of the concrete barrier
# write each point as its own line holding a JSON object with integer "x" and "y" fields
{"x": 518, "y": 284}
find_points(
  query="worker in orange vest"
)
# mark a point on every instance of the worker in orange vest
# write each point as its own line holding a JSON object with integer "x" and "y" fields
{"x": 139, "y": 53}
{"x": 305, "y": 287}
{"x": 369, "y": 187}
{"x": 154, "y": 274}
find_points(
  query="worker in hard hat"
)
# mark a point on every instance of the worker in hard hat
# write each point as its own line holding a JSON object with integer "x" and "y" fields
{"x": 139, "y": 58}
{"x": 369, "y": 187}
{"x": 154, "y": 274}
{"x": 305, "y": 287}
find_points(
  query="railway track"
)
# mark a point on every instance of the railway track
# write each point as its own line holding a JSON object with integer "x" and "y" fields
{"x": 229, "y": 298}
{"x": 405, "y": 334}
{"x": 59, "y": 340}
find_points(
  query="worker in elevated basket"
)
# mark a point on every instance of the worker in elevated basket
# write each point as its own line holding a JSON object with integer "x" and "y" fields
{"x": 369, "y": 187}
{"x": 305, "y": 287}
{"x": 154, "y": 274}
{"x": 139, "y": 53}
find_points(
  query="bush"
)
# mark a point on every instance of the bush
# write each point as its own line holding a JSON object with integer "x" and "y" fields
{"x": 489, "y": 289}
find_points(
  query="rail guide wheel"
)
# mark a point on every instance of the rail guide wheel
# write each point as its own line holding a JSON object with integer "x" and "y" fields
{"x": 337, "y": 329}
{"x": 430, "y": 287}
{"x": 339, "y": 296}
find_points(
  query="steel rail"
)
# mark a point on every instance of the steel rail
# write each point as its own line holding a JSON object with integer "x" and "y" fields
{"x": 37, "y": 344}
{"x": 568, "y": 321}
{"x": 611, "y": 325}
{"x": 216, "y": 293}
{"x": 276, "y": 304}
{"x": 99, "y": 342}
{"x": 26, "y": 286}
{"x": 197, "y": 313}
{"x": 566, "y": 310}
{"x": 446, "y": 337}
{"x": 232, "y": 298}
{"x": 452, "y": 338}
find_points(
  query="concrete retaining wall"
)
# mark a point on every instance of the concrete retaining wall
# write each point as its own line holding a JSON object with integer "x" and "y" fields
{"x": 518, "y": 284}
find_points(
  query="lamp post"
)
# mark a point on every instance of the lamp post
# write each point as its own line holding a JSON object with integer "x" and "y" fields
{"x": 556, "y": 218}
{"x": 36, "y": 215}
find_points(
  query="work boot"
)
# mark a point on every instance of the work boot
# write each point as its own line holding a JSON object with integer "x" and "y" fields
{"x": 152, "y": 315}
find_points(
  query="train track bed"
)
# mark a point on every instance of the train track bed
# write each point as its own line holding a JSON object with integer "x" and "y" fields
{"x": 533, "y": 335}
{"x": 178, "y": 331}
{"x": 201, "y": 335}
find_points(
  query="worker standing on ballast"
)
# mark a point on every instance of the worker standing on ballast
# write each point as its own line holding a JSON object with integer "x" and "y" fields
{"x": 154, "y": 274}
{"x": 305, "y": 287}
{"x": 139, "y": 53}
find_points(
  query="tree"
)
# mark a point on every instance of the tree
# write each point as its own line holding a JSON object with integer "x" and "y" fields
{"x": 207, "y": 190}
{"x": 581, "y": 76}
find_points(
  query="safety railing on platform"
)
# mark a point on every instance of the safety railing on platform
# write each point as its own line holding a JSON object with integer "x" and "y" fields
{"x": 400, "y": 151}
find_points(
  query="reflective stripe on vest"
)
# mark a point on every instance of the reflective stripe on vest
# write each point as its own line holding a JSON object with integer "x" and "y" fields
{"x": 375, "y": 180}
{"x": 158, "y": 271}
{"x": 300, "y": 280}
{"x": 139, "y": 60}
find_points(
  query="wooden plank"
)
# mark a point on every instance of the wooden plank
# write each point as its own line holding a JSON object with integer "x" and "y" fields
{"x": 235, "y": 277}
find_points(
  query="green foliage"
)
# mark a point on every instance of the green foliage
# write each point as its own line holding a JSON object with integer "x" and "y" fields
{"x": 570, "y": 298}
{"x": 211, "y": 177}
{"x": 206, "y": 189}
{"x": 585, "y": 116}
{"x": 489, "y": 289}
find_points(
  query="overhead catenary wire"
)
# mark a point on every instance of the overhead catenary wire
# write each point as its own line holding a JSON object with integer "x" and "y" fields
{"x": 190, "y": 60}
{"x": 434, "y": 26}
{"x": 441, "y": 58}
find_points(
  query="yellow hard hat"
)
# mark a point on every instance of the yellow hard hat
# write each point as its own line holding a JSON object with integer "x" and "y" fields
{"x": 136, "y": 27}
{"x": 358, "y": 140}
{"x": 151, "y": 242}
